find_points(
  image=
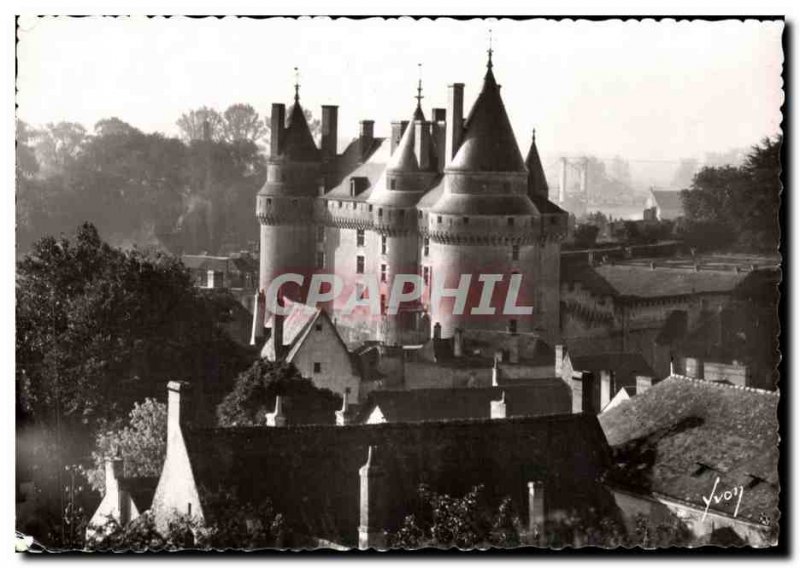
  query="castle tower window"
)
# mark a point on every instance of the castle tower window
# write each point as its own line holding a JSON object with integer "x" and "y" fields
{"x": 320, "y": 234}
{"x": 380, "y": 211}
{"x": 370, "y": 208}
{"x": 511, "y": 221}
{"x": 466, "y": 220}
{"x": 340, "y": 205}
{"x": 269, "y": 201}
{"x": 514, "y": 252}
{"x": 512, "y": 326}
{"x": 392, "y": 183}
{"x": 359, "y": 237}
{"x": 383, "y": 244}
{"x": 426, "y": 275}
{"x": 383, "y": 273}
{"x": 438, "y": 218}
{"x": 317, "y": 367}
{"x": 320, "y": 260}
{"x": 426, "y": 248}
{"x": 355, "y": 205}
{"x": 360, "y": 264}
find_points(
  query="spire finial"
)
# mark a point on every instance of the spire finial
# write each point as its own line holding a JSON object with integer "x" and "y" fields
{"x": 490, "y": 51}
{"x": 296, "y": 85}
{"x": 419, "y": 96}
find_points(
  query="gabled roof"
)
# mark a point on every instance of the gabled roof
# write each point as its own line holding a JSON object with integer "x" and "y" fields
{"x": 310, "y": 473}
{"x": 298, "y": 144}
{"x": 404, "y": 158}
{"x": 677, "y": 437}
{"x": 488, "y": 143}
{"x": 350, "y": 167}
{"x": 668, "y": 201}
{"x": 539, "y": 397}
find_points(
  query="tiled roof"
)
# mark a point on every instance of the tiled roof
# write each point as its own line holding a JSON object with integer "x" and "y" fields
{"x": 677, "y": 437}
{"x": 205, "y": 262}
{"x": 488, "y": 143}
{"x": 537, "y": 397}
{"x": 311, "y": 472}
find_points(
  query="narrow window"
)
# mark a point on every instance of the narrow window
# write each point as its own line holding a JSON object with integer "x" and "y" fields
{"x": 466, "y": 220}
{"x": 360, "y": 264}
{"x": 380, "y": 212}
{"x": 320, "y": 234}
{"x": 383, "y": 273}
{"x": 359, "y": 237}
{"x": 320, "y": 260}
{"x": 426, "y": 247}
{"x": 353, "y": 187}
{"x": 340, "y": 205}
{"x": 438, "y": 218}
{"x": 317, "y": 367}
{"x": 370, "y": 208}
{"x": 514, "y": 252}
{"x": 318, "y": 327}
{"x": 426, "y": 275}
{"x": 269, "y": 201}
{"x": 383, "y": 244}
{"x": 383, "y": 303}
{"x": 512, "y": 326}
{"x": 511, "y": 221}
{"x": 392, "y": 184}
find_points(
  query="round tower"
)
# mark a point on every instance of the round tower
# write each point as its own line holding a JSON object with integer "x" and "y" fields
{"x": 484, "y": 226}
{"x": 285, "y": 204}
{"x": 410, "y": 173}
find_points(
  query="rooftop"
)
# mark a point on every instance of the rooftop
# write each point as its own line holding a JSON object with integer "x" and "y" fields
{"x": 680, "y": 435}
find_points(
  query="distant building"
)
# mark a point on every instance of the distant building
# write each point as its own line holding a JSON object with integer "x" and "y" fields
{"x": 663, "y": 205}
{"x": 706, "y": 453}
{"x": 238, "y": 274}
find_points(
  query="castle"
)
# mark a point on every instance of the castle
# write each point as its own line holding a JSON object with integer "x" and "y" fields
{"x": 443, "y": 199}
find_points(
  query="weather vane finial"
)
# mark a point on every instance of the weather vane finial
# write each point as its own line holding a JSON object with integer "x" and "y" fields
{"x": 491, "y": 51}
{"x": 419, "y": 86}
{"x": 296, "y": 85}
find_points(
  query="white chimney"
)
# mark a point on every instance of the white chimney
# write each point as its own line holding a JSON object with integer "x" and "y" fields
{"x": 498, "y": 408}
{"x": 277, "y": 418}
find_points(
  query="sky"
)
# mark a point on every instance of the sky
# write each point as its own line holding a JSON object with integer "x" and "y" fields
{"x": 650, "y": 90}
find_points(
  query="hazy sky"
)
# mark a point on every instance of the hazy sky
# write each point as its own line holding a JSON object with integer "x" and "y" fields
{"x": 646, "y": 91}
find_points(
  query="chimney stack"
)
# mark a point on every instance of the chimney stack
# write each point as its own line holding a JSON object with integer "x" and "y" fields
{"x": 455, "y": 120}
{"x": 561, "y": 352}
{"x": 115, "y": 493}
{"x": 458, "y": 343}
{"x": 495, "y": 373}
{"x": 365, "y": 137}
{"x": 373, "y": 503}
{"x": 588, "y": 398}
{"x": 330, "y": 131}
{"x": 422, "y": 142}
{"x": 536, "y": 514}
{"x": 343, "y": 416}
{"x": 605, "y": 389}
{"x": 398, "y": 128}
{"x": 277, "y": 418}
{"x": 178, "y": 412}
{"x": 498, "y": 408}
{"x": 439, "y": 125}
{"x": 277, "y": 126}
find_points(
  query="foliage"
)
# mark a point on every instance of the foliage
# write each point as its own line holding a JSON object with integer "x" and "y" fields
{"x": 99, "y": 328}
{"x": 255, "y": 389}
{"x": 586, "y": 235}
{"x": 142, "y": 443}
{"x": 465, "y": 522}
{"x": 738, "y": 204}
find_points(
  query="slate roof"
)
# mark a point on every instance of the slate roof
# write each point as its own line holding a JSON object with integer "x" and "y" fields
{"x": 677, "y": 437}
{"x": 537, "y": 181}
{"x": 539, "y": 397}
{"x": 372, "y": 169}
{"x": 668, "y": 202}
{"x": 219, "y": 263}
{"x": 488, "y": 143}
{"x": 642, "y": 282}
{"x": 298, "y": 144}
{"x": 404, "y": 158}
{"x": 311, "y": 472}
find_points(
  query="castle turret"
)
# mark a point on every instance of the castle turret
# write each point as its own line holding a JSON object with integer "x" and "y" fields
{"x": 484, "y": 226}
{"x": 411, "y": 171}
{"x": 285, "y": 204}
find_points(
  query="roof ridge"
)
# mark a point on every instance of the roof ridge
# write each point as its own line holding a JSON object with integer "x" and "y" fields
{"x": 719, "y": 384}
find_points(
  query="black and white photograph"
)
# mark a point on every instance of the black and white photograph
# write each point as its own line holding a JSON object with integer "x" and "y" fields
{"x": 398, "y": 284}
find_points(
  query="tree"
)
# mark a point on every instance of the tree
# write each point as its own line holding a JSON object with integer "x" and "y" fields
{"x": 586, "y": 235}
{"x": 99, "y": 328}
{"x": 254, "y": 392}
{"x": 241, "y": 123}
{"x": 58, "y": 145}
{"x": 192, "y": 124}
{"x": 738, "y": 202}
{"x": 142, "y": 443}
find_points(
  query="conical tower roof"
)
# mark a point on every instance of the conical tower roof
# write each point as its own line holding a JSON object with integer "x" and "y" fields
{"x": 404, "y": 158}
{"x": 537, "y": 182}
{"x": 488, "y": 143}
{"x": 298, "y": 144}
